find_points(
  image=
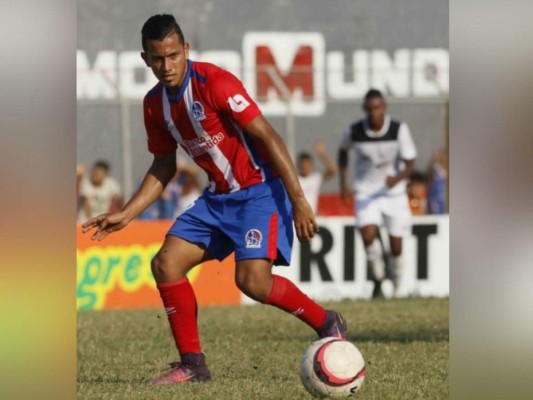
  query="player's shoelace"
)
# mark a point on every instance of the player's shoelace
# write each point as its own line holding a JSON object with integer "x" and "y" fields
{"x": 184, "y": 372}
{"x": 175, "y": 364}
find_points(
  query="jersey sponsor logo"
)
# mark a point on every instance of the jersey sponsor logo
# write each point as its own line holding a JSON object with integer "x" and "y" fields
{"x": 238, "y": 103}
{"x": 253, "y": 239}
{"x": 201, "y": 145}
{"x": 197, "y": 111}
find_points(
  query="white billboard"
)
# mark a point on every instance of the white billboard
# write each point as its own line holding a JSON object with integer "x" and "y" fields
{"x": 334, "y": 266}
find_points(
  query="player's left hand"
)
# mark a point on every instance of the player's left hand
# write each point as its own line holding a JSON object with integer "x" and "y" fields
{"x": 105, "y": 224}
{"x": 391, "y": 181}
{"x": 304, "y": 221}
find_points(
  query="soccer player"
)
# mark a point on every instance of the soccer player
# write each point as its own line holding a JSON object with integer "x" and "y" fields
{"x": 385, "y": 158}
{"x": 250, "y": 204}
{"x": 311, "y": 180}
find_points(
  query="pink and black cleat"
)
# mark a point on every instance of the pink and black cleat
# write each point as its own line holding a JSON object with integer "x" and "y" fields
{"x": 333, "y": 326}
{"x": 191, "y": 368}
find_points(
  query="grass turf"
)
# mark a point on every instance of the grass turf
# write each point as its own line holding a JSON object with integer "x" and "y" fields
{"x": 253, "y": 352}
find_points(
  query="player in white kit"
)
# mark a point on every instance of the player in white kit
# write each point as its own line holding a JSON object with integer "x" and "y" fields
{"x": 385, "y": 158}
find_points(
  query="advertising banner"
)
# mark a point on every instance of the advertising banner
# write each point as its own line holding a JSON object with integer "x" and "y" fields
{"x": 333, "y": 266}
{"x": 115, "y": 273}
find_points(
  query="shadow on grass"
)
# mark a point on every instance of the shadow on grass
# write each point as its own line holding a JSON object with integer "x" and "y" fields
{"x": 399, "y": 337}
{"x": 112, "y": 379}
{"x": 428, "y": 335}
{"x": 437, "y": 335}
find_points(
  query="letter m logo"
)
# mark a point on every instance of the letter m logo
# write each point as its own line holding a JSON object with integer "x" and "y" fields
{"x": 277, "y": 64}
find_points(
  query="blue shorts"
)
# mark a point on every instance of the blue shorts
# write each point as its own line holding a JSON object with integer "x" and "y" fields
{"x": 255, "y": 222}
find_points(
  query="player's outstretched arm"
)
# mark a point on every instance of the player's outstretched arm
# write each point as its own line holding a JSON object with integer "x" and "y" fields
{"x": 331, "y": 168}
{"x": 304, "y": 219}
{"x": 160, "y": 173}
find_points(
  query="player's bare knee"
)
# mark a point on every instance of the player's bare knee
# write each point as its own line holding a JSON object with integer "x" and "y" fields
{"x": 156, "y": 266}
{"x": 395, "y": 246}
{"x": 253, "y": 285}
{"x": 161, "y": 267}
{"x": 396, "y": 251}
{"x": 369, "y": 234}
{"x": 368, "y": 241}
{"x": 244, "y": 281}
{"x": 368, "y": 238}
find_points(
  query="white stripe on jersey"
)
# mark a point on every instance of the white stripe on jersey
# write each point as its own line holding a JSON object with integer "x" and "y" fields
{"x": 216, "y": 154}
{"x": 241, "y": 134}
{"x": 168, "y": 119}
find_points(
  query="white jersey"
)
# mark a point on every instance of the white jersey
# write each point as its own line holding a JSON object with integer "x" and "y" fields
{"x": 311, "y": 187}
{"x": 185, "y": 201}
{"x": 378, "y": 155}
{"x": 99, "y": 197}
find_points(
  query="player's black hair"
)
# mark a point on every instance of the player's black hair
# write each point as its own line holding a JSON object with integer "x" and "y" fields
{"x": 158, "y": 27}
{"x": 102, "y": 164}
{"x": 372, "y": 94}
{"x": 303, "y": 156}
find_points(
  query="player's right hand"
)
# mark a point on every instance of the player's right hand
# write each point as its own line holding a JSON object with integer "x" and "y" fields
{"x": 304, "y": 221}
{"x": 105, "y": 224}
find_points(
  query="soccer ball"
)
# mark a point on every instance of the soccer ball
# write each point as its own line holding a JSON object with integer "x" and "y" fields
{"x": 332, "y": 367}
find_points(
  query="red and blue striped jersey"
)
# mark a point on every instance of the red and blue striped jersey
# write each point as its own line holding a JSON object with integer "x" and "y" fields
{"x": 207, "y": 118}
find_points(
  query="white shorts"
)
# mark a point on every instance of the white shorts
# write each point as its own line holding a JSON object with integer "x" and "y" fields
{"x": 392, "y": 211}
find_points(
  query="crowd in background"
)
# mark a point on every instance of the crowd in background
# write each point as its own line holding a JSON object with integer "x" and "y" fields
{"x": 98, "y": 192}
{"x": 428, "y": 191}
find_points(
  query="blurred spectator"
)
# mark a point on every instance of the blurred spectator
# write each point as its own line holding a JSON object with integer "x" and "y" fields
{"x": 417, "y": 193}
{"x": 438, "y": 177}
{"x": 180, "y": 192}
{"x": 311, "y": 180}
{"x": 189, "y": 187}
{"x": 99, "y": 193}
{"x": 165, "y": 206}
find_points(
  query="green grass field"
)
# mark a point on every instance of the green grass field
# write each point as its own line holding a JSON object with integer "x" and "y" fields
{"x": 254, "y": 352}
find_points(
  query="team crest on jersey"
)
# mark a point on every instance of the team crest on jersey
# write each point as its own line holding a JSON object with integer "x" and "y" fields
{"x": 253, "y": 239}
{"x": 197, "y": 111}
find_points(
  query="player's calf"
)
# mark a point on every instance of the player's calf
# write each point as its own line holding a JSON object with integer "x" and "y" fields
{"x": 255, "y": 279}
{"x": 396, "y": 269}
{"x": 396, "y": 262}
{"x": 161, "y": 269}
{"x": 374, "y": 255}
